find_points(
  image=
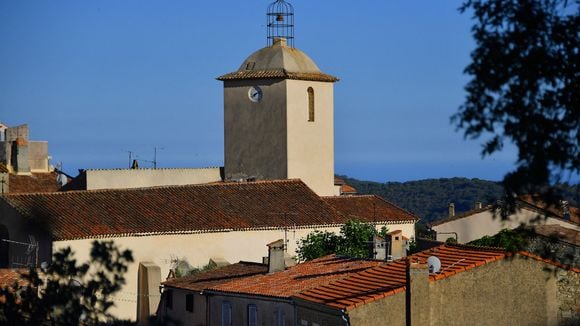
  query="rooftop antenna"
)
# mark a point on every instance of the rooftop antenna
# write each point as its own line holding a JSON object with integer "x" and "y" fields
{"x": 155, "y": 156}
{"x": 280, "y": 22}
{"x": 130, "y": 157}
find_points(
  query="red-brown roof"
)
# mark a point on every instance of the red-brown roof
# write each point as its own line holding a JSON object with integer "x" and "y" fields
{"x": 184, "y": 209}
{"x": 202, "y": 281}
{"x": 523, "y": 201}
{"x": 385, "y": 280}
{"x": 278, "y": 74}
{"x": 303, "y": 276}
{"x": 558, "y": 232}
{"x": 10, "y": 276}
{"x": 369, "y": 208}
{"x": 37, "y": 182}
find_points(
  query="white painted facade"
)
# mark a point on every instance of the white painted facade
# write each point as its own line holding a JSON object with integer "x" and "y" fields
{"x": 197, "y": 249}
{"x": 486, "y": 223}
{"x": 139, "y": 178}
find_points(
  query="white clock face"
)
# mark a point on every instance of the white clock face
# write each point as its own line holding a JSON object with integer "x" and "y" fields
{"x": 255, "y": 94}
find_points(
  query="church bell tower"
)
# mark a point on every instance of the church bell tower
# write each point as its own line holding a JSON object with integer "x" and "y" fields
{"x": 279, "y": 112}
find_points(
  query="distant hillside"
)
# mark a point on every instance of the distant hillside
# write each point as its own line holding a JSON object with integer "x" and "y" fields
{"x": 429, "y": 198}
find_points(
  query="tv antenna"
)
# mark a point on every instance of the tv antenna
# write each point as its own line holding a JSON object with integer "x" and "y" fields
{"x": 31, "y": 249}
{"x": 130, "y": 157}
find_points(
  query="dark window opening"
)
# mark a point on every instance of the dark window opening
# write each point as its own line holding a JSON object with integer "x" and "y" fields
{"x": 310, "y": 104}
{"x": 189, "y": 302}
{"x": 169, "y": 299}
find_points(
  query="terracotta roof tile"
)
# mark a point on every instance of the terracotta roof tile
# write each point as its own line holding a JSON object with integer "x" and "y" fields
{"x": 523, "y": 201}
{"x": 9, "y": 276}
{"x": 278, "y": 73}
{"x": 384, "y": 280}
{"x": 558, "y": 232}
{"x": 35, "y": 183}
{"x": 201, "y": 281}
{"x": 177, "y": 209}
{"x": 368, "y": 208}
{"x": 297, "y": 278}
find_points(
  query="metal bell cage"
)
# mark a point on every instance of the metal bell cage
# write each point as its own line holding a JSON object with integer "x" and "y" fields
{"x": 280, "y": 22}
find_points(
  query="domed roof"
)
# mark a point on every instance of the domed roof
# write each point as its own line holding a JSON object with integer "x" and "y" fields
{"x": 280, "y": 56}
{"x": 279, "y": 61}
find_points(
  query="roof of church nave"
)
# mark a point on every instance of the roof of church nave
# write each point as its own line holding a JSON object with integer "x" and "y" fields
{"x": 279, "y": 61}
{"x": 185, "y": 209}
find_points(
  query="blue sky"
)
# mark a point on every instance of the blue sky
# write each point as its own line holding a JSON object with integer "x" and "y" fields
{"x": 98, "y": 78}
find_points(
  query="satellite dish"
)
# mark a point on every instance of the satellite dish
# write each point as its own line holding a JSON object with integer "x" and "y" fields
{"x": 434, "y": 264}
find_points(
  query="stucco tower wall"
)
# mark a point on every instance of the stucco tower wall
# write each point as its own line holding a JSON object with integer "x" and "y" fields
{"x": 311, "y": 143}
{"x": 255, "y": 132}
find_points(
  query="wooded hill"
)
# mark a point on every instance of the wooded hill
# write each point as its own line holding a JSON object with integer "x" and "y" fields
{"x": 429, "y": 198}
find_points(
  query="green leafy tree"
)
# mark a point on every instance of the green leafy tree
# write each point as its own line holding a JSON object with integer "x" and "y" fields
{"x": 353, "y": 241}
{"x": 317, "y": 244}
{"x": 67, "y": 293}
{"x": 525, "y": 88}
{"x": 511, "y": 240}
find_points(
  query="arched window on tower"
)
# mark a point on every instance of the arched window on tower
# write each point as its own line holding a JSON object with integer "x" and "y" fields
{"x": 310, "y": 104}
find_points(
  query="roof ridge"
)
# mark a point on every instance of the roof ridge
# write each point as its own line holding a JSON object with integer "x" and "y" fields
{"x": 148, "y": 169}
{"x": 201, "y": 185}
{"x": 549, "y": 261}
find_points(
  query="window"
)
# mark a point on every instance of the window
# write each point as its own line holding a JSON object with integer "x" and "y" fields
{"x": 169, "y": 299}
{"x": 310, "y": 104}
{"x": 252, "y": 315}
{"x": 189, "y": 302}
{"x": 226, "y": 314}
{"x": 279, "y": 316}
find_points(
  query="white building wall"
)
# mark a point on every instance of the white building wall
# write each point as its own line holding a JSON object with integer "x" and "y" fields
{"x": 311, "y": 143}
{"x": 197, "y": 249}
{"x": 478, "y": 225}
{"x": 138, "y": 178}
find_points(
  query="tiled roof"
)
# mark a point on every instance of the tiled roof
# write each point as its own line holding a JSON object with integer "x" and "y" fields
{"x": 369, "y": 208}
{"x": 540, "y": 205}
{"x": 37, "y": 182}
{"x": 381, "y": 281}
{"x": 523, "y": 201}
{"x": 9, "y": 276}
{"x": 178, "y": 209}
{"x": 278, "y": 73}
{"x": 204, "y": 280}
{"x": 293, "y": 280}
{"x": 558, "y": 232}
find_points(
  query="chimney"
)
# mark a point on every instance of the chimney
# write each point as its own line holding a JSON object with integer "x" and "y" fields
{"x": 478, "y": 205}
{"x": 417, "y": 293}
{"x": 276, "y": 259}
{"x": 20, "y": 156}
{"x": 451, "y": 210}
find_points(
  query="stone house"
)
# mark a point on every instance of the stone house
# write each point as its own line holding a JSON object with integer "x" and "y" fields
{"x": 474, "y": 285}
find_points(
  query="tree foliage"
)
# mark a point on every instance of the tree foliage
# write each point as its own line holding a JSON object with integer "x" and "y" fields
{"x": 67, "y": 293}
{"x": 353, "y": 241}
{"x": 511, "y": 240}
{"x": 525, "y": 88}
